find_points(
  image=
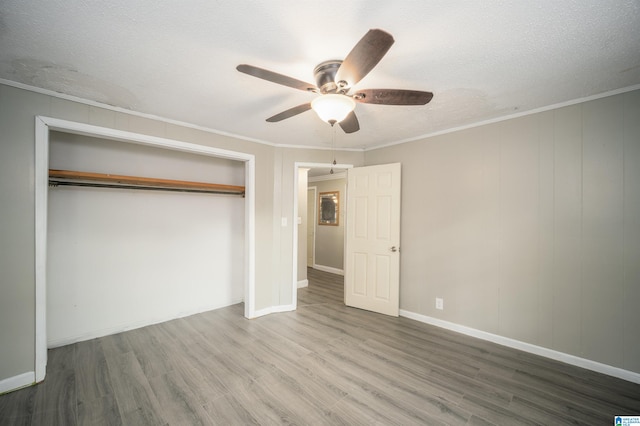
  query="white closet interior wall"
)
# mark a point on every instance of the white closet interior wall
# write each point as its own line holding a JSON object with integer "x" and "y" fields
{"x": 119, "y": 259}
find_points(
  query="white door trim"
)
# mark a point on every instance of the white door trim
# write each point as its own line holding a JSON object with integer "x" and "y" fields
{"x": 312, "y": 222}
{"x": 294, "y": 272}
{"x": 43, "y": 126}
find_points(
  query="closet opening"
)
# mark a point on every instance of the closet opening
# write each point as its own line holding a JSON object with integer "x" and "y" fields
{"x": 152, "y": 254}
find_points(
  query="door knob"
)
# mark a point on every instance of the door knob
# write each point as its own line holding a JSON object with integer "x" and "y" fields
{"x": 394, "y": 249}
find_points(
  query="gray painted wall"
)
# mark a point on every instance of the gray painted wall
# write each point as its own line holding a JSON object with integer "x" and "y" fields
{"x": 529, "y": 228}
{"x": 17, "y": 235}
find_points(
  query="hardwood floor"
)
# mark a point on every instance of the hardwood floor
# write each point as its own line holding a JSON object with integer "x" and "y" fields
{"x": 323, "y": 364}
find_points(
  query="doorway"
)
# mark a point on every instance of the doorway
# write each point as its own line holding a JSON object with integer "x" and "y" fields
{"x": 300, "y": 244}
{"x": 372, "y": 245}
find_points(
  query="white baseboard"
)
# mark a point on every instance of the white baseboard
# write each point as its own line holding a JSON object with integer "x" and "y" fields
{"x": 303, "y": 283}
{"x": 527, "y": 347}
{"x": 17, "y": 382}
{"x": 93, "y": 334}
{"x": 329, "y": 269}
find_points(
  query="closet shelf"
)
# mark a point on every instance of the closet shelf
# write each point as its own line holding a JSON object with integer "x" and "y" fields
{"x": 102, "y": 180}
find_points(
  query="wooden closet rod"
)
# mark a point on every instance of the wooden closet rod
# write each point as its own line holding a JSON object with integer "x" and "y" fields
{"x": 102, "y": 180}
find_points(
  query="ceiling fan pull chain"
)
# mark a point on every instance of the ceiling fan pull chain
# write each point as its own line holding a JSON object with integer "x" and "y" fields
{"x": 333, "y": 147}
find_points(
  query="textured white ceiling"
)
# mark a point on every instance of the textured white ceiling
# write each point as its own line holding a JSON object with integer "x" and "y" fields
{"x": 481, "y": 59}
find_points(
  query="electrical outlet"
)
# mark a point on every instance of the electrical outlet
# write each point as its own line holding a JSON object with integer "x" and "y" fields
{"x": 439, "y": 303}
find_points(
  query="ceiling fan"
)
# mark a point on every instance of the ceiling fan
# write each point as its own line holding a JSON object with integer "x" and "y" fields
{"x": 335, "y": 79}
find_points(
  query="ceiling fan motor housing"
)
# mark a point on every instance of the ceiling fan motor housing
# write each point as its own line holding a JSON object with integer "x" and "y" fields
{"x": 325, "y": 74}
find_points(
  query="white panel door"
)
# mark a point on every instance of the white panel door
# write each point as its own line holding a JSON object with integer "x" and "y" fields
{"x": 372, "y": 254}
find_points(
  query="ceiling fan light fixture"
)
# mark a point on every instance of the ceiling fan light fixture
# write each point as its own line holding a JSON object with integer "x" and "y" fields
{"x": 333, "y": 108}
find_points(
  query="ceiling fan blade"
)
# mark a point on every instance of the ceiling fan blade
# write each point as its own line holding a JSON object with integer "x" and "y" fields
{"x": 289, "y": 113}
{"x": 274, "y": 77}
{"x": 350, "y": 124}
{"x": 393, "y": 97}
{"x": 364, "y": 56}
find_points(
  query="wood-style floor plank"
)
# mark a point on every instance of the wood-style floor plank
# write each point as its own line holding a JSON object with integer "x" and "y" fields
{"x": 133, "y": 393}
{"x": 55, "y": 400}
{"x": 100, "y": 411}
{"x": 322, "y": 364}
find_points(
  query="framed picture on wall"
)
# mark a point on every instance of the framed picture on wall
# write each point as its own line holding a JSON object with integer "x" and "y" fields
{"x": 329, "y": 208}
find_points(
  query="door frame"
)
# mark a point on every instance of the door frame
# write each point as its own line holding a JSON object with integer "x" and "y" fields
{"x": 312, "y": 222}
{"x": 294, "y": 266}
{"x": 43, "y": 127}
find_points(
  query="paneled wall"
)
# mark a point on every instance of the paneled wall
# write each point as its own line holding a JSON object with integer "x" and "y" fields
{"x": 529, "y": 228}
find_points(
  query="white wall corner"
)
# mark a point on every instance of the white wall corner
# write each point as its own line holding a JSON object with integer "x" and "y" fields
{"x": 303, "y": 283}
{"x": 17, "y": 382}
{"x": 41, "y": 368}
{"x": 527, "y": 347}
{"x": 273, "y": 310}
